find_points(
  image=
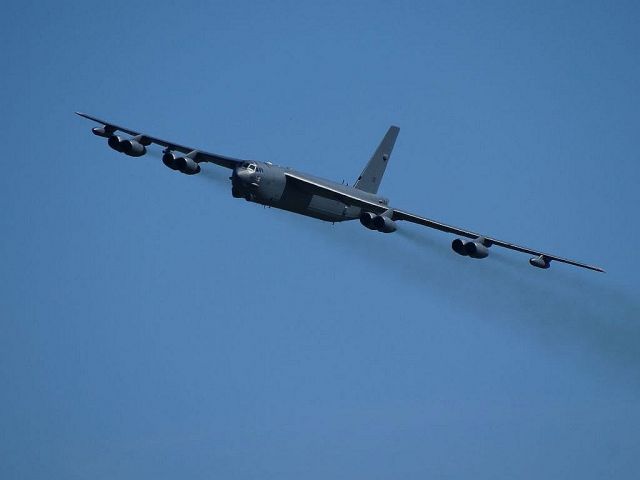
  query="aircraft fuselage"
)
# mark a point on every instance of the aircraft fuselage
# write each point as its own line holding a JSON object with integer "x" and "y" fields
{"x": 266, "y": 184}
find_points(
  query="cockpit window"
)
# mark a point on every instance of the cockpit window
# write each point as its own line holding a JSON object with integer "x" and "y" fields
{"x": 251, "y": 167}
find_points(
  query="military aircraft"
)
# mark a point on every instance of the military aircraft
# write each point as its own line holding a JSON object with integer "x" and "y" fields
{"x": 282, "y": 187}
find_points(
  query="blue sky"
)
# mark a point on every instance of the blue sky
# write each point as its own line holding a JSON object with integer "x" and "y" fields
{"x": 155, "y": 327}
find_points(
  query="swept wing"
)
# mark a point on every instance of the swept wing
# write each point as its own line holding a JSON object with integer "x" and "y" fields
{"x": 379, "y": 209}
{"x": 197, "y": 155}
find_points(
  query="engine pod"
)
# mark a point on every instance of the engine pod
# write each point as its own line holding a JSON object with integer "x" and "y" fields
{"x": 476, "y": 250}
{"x": 169, "y": 159}
{"x": 384, "y": 224}
{"x": 458, "y": 246}
{"x": 115, "y": 142}
{"x": 470, "y": 248}
{"x": 133, "y": 148}
{"x": 540, "y": 262}
{"x": 105, "y": 131}
{"x": 366, "y": 219}
{"x": 187, "y": 165}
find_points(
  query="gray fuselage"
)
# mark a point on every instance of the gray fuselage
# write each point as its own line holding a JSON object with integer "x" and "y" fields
{"x": 266, "y": 184}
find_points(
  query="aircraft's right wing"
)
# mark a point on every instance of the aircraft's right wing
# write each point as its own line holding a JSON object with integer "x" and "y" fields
{"x": 197, "y": 155}
{"x": 541, "y": 259}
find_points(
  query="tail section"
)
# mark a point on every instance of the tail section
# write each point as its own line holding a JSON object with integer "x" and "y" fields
{"x": 370, "y": 178}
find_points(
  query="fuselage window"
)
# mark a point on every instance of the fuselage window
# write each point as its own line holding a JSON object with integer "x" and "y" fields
{"x": 252, "y": 167}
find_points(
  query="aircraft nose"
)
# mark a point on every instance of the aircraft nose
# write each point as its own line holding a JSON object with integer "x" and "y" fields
{"x": 241, "y": 175}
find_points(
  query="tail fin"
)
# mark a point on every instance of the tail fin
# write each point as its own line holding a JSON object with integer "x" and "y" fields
{"x": 370, "y": 178}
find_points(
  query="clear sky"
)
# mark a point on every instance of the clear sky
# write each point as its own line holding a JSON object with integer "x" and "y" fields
{"x": 154, "y": 327}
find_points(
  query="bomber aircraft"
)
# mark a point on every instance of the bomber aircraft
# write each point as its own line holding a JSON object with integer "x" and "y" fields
{"x": 282, "y": 187}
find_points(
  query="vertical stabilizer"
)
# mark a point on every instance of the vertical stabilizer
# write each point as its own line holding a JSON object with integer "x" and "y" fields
{"x": 370, "y": 178}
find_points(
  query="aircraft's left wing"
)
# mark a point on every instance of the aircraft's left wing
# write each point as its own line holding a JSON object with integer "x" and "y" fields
{"x": 541, "y": 259}
{"x": 196, "y": 155}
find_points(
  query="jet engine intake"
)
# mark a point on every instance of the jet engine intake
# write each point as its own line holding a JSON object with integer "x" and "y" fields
{"x": 115, "y": 142}
{"x": 380, "y": 223}
{"x": 470, "y": 248}
{"x": 476, "y": 250}
{"x": 169, "y": 159}
{"x": 384, "y": 224}
{"x": 366, "y": 219}
{"x": 458, "y": 246}
{"x": 134, "y": 147}
{"x": 187, "y": 165}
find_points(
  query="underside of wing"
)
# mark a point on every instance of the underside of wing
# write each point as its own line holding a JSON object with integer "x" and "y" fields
{"x": 139, "y": 140}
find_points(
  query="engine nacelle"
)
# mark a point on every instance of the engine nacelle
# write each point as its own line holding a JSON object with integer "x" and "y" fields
{"x": 133, "y": 148}
{"x": 115, "y": 142}
{"x": 384, "y": 224}
{"x": 540, "y": 262}
{"x": 169, "y": 159}
{"x": 366, "y": 219}
{"x": 380, "y": 223}
{"x": 102, "y": 131}
{"x": 458, "y": 246}
{"x": 470, "y": 248}
{"x": 187, "y": 165}
{"x": 476, "y": 250}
